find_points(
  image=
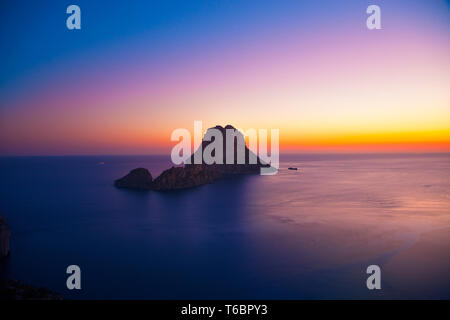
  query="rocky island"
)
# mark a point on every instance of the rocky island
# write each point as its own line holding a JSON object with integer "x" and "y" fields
{"x": 139, "y": 178}
{"x": 193, "y": 175}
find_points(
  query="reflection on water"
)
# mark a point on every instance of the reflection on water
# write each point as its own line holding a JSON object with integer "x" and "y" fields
{"x": 298, "y": 234}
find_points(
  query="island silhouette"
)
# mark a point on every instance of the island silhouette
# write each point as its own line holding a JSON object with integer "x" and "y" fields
{"x": 196, "y": 174}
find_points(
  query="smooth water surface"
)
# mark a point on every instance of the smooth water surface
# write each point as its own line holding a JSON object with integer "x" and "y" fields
{"x": 298, "y": 234}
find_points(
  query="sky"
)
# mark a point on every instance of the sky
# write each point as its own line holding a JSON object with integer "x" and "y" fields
{"x": 137, "y": 70}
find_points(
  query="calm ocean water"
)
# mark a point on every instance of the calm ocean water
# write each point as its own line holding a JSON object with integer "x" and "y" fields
{"x": 298, "y": 234}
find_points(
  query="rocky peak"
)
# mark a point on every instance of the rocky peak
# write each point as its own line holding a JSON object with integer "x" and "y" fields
{"x": 139, "y": 178}
{"x": 192, "y": 175}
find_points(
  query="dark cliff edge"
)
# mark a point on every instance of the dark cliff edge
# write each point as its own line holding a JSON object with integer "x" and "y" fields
{"x": 15, "y": 290}
{"x": 12, "y": 289}
{"x": 5, "y": 233}
{"x": 194, "y": 175}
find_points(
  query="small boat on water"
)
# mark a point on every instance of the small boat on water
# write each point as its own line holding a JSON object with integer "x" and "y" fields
{"x": 292, "y": 168}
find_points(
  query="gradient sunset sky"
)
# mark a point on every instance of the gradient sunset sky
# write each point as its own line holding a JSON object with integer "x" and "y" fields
{"x": 140, "y": 69}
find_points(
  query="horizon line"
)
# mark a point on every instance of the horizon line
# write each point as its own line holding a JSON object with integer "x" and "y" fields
{"x": 281, "y": 154}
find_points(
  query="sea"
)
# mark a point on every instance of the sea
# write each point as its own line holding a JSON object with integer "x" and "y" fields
{"x": 309, "y": 233}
